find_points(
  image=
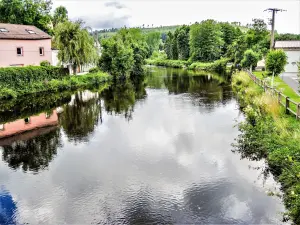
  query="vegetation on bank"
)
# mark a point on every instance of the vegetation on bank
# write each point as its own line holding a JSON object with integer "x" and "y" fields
{"x": 279, "y": 84}
{"x": 217, "y": 66}
{"x": 268, "y": 133}
{"x": 16, "y": 82}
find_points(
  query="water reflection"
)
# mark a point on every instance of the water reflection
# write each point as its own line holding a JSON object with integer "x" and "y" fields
{"x": 120, "y": 98}
{"x": 7, "y": 207}
{"x": 27, "y": 106}
{"x": 81, "y": 115}
{"x": 169, "y": 161}
{"x": 31, "y": 151}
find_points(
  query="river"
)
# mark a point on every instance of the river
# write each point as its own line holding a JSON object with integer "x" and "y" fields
{"x": 151, "y": 152}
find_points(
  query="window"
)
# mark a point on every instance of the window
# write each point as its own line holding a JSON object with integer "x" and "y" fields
{"x": 30, "y": 31}
{"x": 20, "y": 51}
{"x": 1, "y": 127}
{"x": 27, "y": 120}
{"x": 41, "y": 51}
{"x": 3, "y": 30}
{"x": 48, "y": 114}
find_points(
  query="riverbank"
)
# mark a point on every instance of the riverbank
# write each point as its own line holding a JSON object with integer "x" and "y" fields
{"x": 219, "y": 66}
{"x": 40, "y": 81}
{"x": 268, "y": 133}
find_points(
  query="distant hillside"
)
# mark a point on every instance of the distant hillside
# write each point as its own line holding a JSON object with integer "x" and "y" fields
{"x": 105, "y": 33}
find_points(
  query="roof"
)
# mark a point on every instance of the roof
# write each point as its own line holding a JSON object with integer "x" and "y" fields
{"x": 22, "y": 32}
{"x": 287, "y": 44}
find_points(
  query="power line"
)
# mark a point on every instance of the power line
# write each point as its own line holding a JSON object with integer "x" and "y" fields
{"x": 272, "y": 23}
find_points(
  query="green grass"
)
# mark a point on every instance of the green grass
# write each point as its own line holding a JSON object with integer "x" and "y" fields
{"x": 280, "y": 86}
{"x": 267, "y": 133}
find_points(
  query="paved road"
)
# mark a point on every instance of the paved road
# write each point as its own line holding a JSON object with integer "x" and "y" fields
{"x": 292, "y": 80}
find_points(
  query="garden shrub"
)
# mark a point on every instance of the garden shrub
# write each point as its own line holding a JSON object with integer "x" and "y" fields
{"x": 45, "y": 63}
{"x": 22, "y": 77}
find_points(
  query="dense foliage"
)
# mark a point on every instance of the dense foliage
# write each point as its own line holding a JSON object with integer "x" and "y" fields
{"x": 16, "y": 82}
{"x": 250, "y": 59}
{"x": 268, "y": 133}
{"x": 28, "y": 12}
{"x": 60, "y": 15}
{"x": 76, "y": 46}
{"x": 16, "y": 77}
{"x": 276, "y": 60}
{"x": 124, "y": 53}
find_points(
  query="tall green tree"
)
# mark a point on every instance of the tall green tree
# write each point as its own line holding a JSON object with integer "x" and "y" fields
{"x": 76, "y": 46}
{"x": 124, "y": 53}
{"x": 205, "y": 41}
{"x": 60, "y": 15}
{"x": 276, "y": 61}
{"x": 229, "y": 35}
{"x": 153, "y": 40}
{"x": 168, "y": 45}
{"x": 183, "y": 42}
{"x": 27, "y": 12}
{"x": 250, "y": 59}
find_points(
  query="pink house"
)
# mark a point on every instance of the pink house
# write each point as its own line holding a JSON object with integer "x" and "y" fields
{"x": 23, "y": 45}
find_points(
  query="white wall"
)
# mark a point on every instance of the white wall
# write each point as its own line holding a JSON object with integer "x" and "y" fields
{"x": 293, "y": 58}
{"x": 55, "y": 61}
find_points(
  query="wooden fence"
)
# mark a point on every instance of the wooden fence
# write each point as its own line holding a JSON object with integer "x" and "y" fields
{"x": 291, "y": 107}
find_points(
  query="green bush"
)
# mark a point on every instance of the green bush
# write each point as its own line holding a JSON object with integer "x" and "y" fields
{"x": 94, "y": 70}
{"x": 45, "y": 63}
{"x": 168, "y": 63}
{"x": 18, "y": 78}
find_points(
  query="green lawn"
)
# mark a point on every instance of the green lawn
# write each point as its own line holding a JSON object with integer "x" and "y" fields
{"x": 280, "y": 85}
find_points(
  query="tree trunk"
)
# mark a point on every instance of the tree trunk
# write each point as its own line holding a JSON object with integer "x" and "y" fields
{"x": 273, "y": 75}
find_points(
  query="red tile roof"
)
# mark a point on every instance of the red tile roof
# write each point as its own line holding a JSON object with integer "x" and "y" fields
{"x": 22, "y": 32}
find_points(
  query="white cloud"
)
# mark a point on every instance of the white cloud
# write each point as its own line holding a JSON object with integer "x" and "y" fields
{"x": 167, "y": 12}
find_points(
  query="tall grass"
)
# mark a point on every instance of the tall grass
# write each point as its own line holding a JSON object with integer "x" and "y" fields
{"x": 268, "y": 132}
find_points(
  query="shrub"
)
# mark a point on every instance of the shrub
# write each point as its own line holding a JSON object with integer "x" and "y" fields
{"x": 45, "y": 63}
{"x": 94, "y": 70}
{"x": 22, "y": 77}
{"x": 276, "y": 60}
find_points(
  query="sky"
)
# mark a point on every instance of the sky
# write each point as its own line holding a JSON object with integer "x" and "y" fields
{"x": 100, "y": 14}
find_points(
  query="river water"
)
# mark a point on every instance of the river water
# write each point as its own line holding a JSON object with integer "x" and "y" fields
{"x": 145, "y": 152}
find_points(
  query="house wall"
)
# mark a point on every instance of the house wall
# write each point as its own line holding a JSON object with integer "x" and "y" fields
{"x": 293, "y": 58}
{"x": 31, "y": 54}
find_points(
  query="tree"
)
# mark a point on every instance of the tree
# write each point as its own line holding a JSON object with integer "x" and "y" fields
{"x": 276, "y": 61}
{"x": 183, "y": 42}
{"x": 75, "y": 44}
{"x": 205, "y": 41}
{"x": 250, "y": 59}
{"x": 27, "y": 12}
{"x": 168, "y": 45}
{"x": 229, "y": 35}
{"x": 153, "y": 40}
{"x": 60, "y": 15}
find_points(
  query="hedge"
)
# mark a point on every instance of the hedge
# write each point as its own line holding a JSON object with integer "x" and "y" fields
{"x": 19, "y": 77}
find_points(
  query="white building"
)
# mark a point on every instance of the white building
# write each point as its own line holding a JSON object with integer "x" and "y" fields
{"x": 292, "y": 50}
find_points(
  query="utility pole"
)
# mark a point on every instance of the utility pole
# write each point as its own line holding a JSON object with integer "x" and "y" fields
{"x": 273, "y": 10}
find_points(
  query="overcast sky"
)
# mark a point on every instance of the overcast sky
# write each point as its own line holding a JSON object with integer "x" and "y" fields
{"x": 101, "y": 14}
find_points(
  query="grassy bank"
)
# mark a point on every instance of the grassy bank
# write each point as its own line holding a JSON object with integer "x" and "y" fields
{"x": 268, "y": 133}
{"x": 217, "y": 66}
{"x": 9, "y": 90}
{"x": 279, "y": 84}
